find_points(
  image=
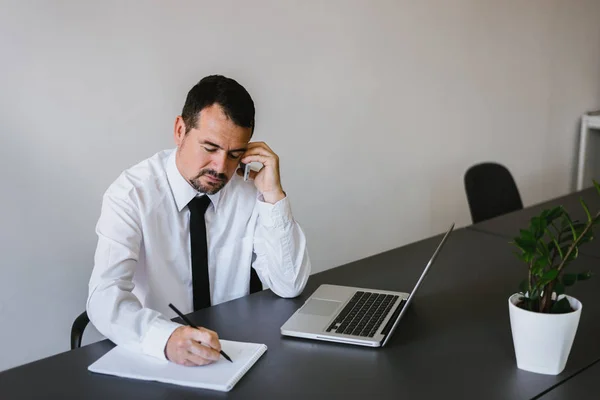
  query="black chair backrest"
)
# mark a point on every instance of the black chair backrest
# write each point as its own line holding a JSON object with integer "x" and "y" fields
{"x": 491, "y": 191}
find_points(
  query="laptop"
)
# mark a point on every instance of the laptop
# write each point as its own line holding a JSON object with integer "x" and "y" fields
{"x": 351, "y": 315}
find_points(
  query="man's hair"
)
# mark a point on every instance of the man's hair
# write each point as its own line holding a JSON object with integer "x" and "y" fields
{"x": 227, "y": 93}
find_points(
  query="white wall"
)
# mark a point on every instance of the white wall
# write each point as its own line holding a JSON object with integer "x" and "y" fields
{"x": 376, "y": 109}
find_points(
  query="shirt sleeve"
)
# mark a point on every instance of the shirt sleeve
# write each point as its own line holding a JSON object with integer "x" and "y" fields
{"x": 282, "y": 260}
{"x": 111, "y": 306}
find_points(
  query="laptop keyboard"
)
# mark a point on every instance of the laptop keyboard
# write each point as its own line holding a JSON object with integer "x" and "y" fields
{"x": 363, "y": 314}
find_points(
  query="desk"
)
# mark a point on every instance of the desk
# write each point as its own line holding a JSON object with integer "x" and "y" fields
{"x": 454, "y": 341}
{"x": 583, "y": 386}
{"x": 588, "y": 122}
{"x": 508, "y": 225}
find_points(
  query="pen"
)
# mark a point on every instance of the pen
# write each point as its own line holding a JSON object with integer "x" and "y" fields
{"x": 187, "y": 321}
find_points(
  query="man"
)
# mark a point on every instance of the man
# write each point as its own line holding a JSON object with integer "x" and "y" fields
{"x": 183, "y": 227}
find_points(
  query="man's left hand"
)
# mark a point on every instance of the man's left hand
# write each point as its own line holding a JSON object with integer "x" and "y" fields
{"x": 267, "y": 180}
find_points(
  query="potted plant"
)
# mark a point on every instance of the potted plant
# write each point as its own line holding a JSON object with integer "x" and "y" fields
{"x": 543, "y": 318}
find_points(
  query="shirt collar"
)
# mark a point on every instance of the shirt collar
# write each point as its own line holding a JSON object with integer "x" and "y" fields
{"x": 182, "y": 191}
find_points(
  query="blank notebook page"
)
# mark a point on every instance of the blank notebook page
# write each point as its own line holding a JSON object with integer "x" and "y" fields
{"x": 221, "y": 375}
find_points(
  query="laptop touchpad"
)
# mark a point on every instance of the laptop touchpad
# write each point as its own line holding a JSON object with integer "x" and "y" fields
{"x": 320, "y": 307}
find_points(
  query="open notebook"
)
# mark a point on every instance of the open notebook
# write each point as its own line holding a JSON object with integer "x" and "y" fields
{"x": 221, "y": 375}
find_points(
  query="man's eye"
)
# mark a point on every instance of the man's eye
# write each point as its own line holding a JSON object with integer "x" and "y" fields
{"x": 210, "y": 149}
{"x": 235, "y": 156}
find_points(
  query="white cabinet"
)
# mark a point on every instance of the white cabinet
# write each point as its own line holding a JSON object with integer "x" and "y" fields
{"x": 588, "y": 124}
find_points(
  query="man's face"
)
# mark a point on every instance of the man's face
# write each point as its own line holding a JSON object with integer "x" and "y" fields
{"x": 209, "y": 154}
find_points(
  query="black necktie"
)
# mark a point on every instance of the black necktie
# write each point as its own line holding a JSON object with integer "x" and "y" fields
{"x": 200, "y": 281}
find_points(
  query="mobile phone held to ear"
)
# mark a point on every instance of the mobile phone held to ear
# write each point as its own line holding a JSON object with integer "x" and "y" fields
{"x": 246, "y": 168}
{"x": 253, "y": 166}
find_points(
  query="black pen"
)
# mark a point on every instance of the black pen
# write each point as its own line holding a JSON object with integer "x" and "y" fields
{"x": 187, "y": 321}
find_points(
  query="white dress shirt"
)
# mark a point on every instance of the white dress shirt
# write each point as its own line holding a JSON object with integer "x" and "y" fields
{"x": 143, "y": 258}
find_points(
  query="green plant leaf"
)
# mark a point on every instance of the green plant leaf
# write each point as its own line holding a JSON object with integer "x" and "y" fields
{"x": 565, "y": 238}
{"x": 588, "y": 237}
{"x": 569, "y": 229}
{"x": 583, "y": 276}
{"x": 526, "y": 235}
{"x": 596, "y": 185}
{"x": 550, "y": 274}
{"x": 554, "y": 213}
{"x": 580, "y": 228}
{"x": 543, "y": 248}
{"x": 528, "y": 246}
{"x": 521, "y": 257}
{"x": 564, "y": 222}
{"x": 548, "y": 277}
{"x": 556, "y": 245}
{"x": 561, "y": 307}
{"x": 524, "y": 286}
{"x": 537, "y": 269}
{"x": 538, "y": 266}
{"x": 570, "y": 225}
{"x": 537, "y": 227}
{"x": 543, "y": 243}
{"x": 534, "y": 295}
{"x": 586, "y": 209}
{"x": 559, "y": 288}
{"x": 574, "y": 254}
{"x": 569, "y": 279}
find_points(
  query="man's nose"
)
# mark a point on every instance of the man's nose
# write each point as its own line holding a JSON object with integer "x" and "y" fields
{"x": 220, "y": 162}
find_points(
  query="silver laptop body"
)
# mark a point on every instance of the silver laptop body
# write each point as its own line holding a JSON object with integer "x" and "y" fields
{"x": 352, "y": 315}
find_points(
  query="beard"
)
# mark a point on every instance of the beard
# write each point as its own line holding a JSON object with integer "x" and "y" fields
{"x": 210, "y": 187}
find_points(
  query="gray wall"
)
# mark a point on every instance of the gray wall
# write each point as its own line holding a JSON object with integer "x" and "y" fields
{"x": 376, "y": 109}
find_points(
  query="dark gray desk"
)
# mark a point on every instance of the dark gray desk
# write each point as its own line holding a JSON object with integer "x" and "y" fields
{"x": 583, "y": 386}
{"x": 508, "y": 225}
{"x": 454, "y": 342}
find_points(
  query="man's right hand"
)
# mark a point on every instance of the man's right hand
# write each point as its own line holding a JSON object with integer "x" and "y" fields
{"x": 183, "y": 347}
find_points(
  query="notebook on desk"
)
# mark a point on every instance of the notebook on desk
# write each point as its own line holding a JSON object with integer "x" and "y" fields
{"x": 221, "y": 375}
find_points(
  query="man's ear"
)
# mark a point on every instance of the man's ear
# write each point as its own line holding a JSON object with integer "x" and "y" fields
{"x": 179, "y": 130}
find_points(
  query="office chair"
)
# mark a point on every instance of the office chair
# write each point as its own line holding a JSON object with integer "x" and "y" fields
{"x": 491, "y": 191}
{"x": 82, "y": 320}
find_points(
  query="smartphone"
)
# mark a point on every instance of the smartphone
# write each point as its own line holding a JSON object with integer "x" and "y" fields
{"x": 246, "y": 168}
{"x": 249, "y": 167}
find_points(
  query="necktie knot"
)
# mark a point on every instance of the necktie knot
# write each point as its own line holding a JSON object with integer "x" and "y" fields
{"x": 199, "y": 204}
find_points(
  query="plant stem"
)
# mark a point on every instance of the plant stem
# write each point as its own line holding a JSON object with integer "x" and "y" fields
{"x": 530, "y": 280}
{"x": 546, "y": 299}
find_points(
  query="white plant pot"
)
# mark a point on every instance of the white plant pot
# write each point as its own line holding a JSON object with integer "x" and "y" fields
{"x": 543, "y": 341}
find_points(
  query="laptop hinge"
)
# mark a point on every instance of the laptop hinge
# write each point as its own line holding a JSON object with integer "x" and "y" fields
{"x": 393, "y": 318}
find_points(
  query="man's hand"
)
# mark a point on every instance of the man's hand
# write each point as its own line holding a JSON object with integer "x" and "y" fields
{"x": 183, "y": 347}
{"x": 267, "y": 180}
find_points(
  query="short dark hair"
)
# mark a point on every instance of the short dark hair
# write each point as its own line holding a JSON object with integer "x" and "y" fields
{"x": 227, "y": 93}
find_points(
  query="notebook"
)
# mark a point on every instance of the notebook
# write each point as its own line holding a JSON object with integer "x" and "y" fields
{"x": 221, "y": 375}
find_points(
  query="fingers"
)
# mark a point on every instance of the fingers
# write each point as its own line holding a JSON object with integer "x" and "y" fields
{"x": 192, "y": 360}
{"x": 264, "y": 160}
{"x": 263, "y": 145}
{"x": 259, "y": 149}
{"x": 251, "y": 174}
{"x": 204, "y": 352}
{"x": 189, "y": 346}
{"x": 207, "y": 337}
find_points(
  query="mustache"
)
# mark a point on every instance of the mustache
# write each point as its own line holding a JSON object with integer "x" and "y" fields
{"x": 212, "y": 173}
